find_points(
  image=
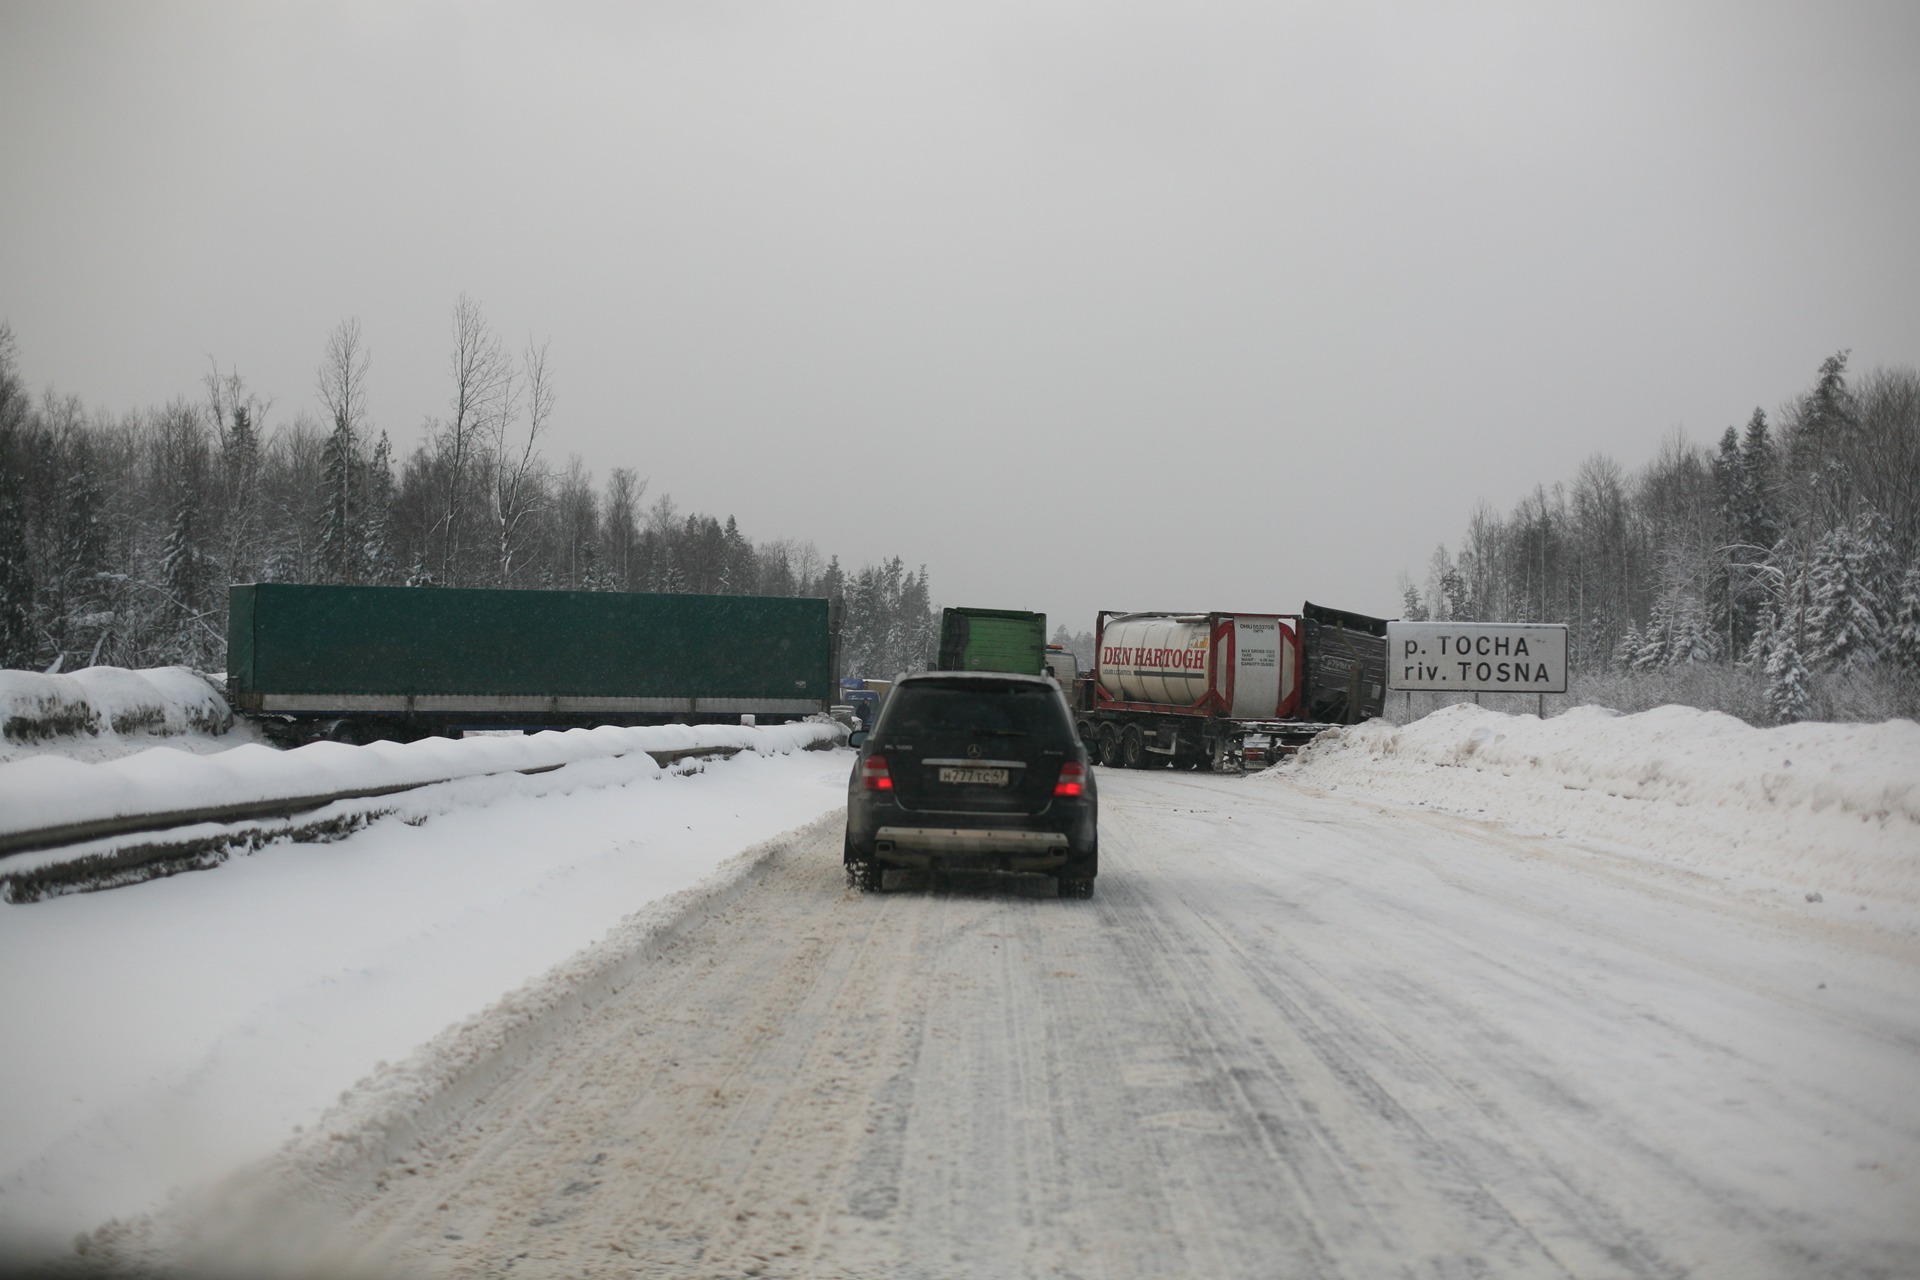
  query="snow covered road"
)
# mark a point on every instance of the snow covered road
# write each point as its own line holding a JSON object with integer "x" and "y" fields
{"x": 1294, "y": 1034}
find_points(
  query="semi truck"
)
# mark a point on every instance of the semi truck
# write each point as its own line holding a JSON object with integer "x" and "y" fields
{"x": 361, "y": 663}
{"x": 1189, "y": 689}
{"x": 992, "y": 640}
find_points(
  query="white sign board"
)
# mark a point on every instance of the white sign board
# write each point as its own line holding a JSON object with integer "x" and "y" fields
{"x": 1477, "y": 657}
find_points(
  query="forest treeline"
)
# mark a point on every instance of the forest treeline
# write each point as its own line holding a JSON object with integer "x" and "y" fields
{"x": 119, "y": 535}
{"x": 1787, "y": 557}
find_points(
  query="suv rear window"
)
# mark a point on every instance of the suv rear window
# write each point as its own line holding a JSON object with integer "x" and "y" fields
{"x": 977, "y": 709}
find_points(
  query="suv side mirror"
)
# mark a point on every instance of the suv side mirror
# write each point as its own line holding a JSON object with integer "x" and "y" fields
{"x": 857, "y": 737}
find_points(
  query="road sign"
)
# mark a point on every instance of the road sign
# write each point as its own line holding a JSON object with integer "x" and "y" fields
{"x": 1477, "y": 657}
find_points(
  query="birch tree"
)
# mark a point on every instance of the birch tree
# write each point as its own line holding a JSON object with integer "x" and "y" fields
{"x": 483, "y": 392}
{"x": 343, "y": 390}
{"x": 517, "y": 467}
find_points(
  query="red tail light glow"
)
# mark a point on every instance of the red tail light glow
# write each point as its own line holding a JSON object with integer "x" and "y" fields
{"x": 874, "y": 775}
{"x": 1071, "y": 774}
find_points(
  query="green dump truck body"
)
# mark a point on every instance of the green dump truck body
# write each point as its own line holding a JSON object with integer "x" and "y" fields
{"x": 452, "y": 656}
{"x": 992, "y": 640}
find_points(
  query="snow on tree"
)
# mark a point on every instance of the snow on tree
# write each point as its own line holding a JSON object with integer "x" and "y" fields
{"x": 1759, "y": 525}
{"x": 1879, "y": 566}
{"x": 81, "y": 616}
{"x": 1691, "y": 636}
{"x": 1453, "y": 588}
{"x": 1730, "y": 479}
{"x": 1655, "y": 647}
{"x": 1760, "y": 648}
{"x": 1788, "y": 696}
{"x": 1844, "y": 628}
{"x": 1627, "y": 652}
{"x": 1903, "y": 639}
{"x": 376, "y": 524}
{"x": 833, "y": 580}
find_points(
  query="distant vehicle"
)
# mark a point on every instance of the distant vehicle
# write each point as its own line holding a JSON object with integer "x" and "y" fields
{"x": 865, "y": 697}
{"x": 992, "y": 640}
{"x": 973, "y": 770}
{"x": 361, "y": 663}
{"x": 1063, "y": 665}
{"x": 1192, "y": 690}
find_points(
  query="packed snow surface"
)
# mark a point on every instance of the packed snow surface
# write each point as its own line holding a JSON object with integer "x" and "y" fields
{"x": 1480, "y": 995}
{"x": 52, "y": 790}
{"x": 1825, "y": 809}
{"x": 1295, "y": 1033}
{"x": 107, "y": 703}
{"x": 162, "y": 1034}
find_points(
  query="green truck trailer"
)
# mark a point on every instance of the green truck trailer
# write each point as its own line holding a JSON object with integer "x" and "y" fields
{"x": 992, "y": 640}
{"x": 358, "y": 663}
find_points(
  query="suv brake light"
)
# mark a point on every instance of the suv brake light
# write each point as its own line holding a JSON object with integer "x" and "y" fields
{"x": 874, "y": 775}
{"x": 1069, "y": 784}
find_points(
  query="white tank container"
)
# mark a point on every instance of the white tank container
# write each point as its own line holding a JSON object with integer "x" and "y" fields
{"x": 1168, "y": 660}
{"x": 1158, "y": 658}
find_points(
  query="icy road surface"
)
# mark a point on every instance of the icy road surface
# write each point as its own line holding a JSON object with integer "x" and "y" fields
{"x": 1295, "y": 1034}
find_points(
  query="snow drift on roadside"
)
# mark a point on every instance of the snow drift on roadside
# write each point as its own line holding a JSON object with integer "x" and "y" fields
{"x": 50, "y": 791}
{"x": 109, "y": 700}
{"x": 169, "y": 1033}
{"x": 1820, "y": 808}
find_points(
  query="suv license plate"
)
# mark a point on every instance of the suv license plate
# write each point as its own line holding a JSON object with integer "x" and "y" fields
{"x": 974, "y": 775}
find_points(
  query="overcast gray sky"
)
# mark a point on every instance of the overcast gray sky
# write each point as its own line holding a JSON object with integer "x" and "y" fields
{"x": 1195, "y": 306}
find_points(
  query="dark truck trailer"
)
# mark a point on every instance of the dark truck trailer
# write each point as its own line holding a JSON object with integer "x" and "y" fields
{"x": 1189, "y": 690}
{"x": 992, "y": 640}
{"x": 359, "y": 663}
{"x": 1345, "y": 658}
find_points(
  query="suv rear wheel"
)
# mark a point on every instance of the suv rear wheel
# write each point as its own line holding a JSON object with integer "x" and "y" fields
{"x": 862, "y": 873}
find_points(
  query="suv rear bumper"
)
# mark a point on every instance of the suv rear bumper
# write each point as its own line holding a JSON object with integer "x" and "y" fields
{"x": 982, "y": 847}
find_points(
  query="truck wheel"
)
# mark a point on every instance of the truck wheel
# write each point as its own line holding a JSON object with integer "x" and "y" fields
{"x": 1109, "y": 745}
{"x": 1133, "y": 748}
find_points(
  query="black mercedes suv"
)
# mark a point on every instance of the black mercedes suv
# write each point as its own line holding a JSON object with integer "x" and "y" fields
{"x": 974, "y": 770}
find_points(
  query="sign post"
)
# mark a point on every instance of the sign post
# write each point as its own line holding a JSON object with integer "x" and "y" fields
{"x": 1477, "y": 657}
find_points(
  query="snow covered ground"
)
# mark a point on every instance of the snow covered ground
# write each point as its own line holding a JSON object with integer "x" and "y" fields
{"x": 98, "y": 713}
{"x": 1806, "y": 815}
{"x": 164, "y": 1033}
{"x": 1295, "y": 1033}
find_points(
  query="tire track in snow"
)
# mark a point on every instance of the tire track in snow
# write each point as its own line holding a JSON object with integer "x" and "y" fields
{"x": 1289, "y": 1036}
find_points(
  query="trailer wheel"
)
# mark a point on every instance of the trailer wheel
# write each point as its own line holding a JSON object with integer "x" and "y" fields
{"x": 1133, "y": 748}
{"x": 1109, "y": 745}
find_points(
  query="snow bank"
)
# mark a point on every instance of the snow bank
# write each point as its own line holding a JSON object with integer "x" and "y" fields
{"x": 98, "y": 700}
{"x": 53, "y": 791}
{"x": 168, "y": 1034}
{"x": 1819, "y": 808}
{"x": 381, "y": 1117}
